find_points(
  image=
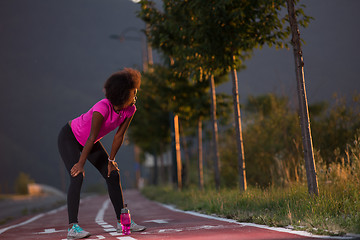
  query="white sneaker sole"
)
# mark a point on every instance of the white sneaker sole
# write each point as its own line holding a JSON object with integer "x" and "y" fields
{"x": 88, "y": 235}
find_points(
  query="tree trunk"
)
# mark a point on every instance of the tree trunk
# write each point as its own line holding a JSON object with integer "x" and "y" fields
{"x": 178, "y": 153}
{"x": 156, "y": 170}
{"x": 174, "y": 152}
{"x": 138, "y": 165}
{"x": 238, "y": 129}
{"x": 162, "y": 170}
{"x": 200, "y": 156}
{"x": 303, "y": 105}
{"x": 215, "y": 133}
{"x": 186, "y": 169}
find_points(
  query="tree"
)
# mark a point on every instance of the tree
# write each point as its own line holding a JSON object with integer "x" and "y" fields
{"x": 196, "y": 103}
{"x": 303, "y": 105}
{"x": 165, "y": 36}
{"x": 225, "y": 38}
{"x": 150, "y": 127}
{"x": 228, "y": 35}
{"x": 218, "y": 36}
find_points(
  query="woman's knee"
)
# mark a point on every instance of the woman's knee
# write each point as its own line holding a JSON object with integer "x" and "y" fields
{"x": 76, "y": 180}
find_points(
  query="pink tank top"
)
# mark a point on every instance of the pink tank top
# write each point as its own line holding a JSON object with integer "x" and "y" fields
{"x": 81, "y": 126}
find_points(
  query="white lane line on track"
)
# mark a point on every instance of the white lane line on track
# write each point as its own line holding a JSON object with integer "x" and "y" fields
{"x": 50, "y": 230}
{"x": 32, "y": 219}
{"x": 278, "y": 229}
{"x": 112, "y": 229}
{"x": 160, "y": 221}
{"x": 39, "y": 216}
{"x": 107, "y": 227}
{"x": 115, "y": 234}
{"x": 23, "y": 223}
{"x": 100, "y": 215}
{"x": 186, "y": 229}
{"x": 170, "y": 230}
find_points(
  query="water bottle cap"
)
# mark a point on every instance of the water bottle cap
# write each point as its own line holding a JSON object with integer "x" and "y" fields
{"x": 125, "y": 210}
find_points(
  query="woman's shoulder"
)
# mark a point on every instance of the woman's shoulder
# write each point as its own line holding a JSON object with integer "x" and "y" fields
{"x": 103, "y": 106}
{"x": 103, "y": 102}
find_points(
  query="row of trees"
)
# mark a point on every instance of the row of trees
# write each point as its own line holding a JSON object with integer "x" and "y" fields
{"x": 202, "y": 41}
{"x": 279, "y": 162}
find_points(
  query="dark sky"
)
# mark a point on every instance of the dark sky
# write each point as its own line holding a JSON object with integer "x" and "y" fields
{"x": 331, "y": 56}
{"x": 55, "y": 56}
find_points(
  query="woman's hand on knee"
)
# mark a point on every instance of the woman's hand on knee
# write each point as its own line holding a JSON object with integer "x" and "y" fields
{"x": 112, "y": 166}
{"x": 77, "y": 169}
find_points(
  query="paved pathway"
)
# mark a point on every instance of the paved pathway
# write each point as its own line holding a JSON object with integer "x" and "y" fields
{"x": 97, "y": 216}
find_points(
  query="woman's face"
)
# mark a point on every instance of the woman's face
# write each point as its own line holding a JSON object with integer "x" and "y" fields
{"x": 133, "y": 97}
{"x": 130, "y": 102}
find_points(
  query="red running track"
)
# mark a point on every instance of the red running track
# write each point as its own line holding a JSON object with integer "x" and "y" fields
{"x": 98, "y": 217}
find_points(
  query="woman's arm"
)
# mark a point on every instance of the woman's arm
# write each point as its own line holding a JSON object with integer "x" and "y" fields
{"x": 96, "y": 122}
{"x": 119, "y": 137}
{"x": 118, "y": 140}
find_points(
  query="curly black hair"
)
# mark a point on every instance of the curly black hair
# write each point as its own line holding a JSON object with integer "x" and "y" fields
{"x": 118, "y": 85}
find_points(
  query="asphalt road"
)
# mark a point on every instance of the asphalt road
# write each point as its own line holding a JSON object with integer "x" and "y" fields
{"x": 163, "y": 222}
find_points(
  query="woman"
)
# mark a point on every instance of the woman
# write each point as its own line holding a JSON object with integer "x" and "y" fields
{"x": 79, "y": 140}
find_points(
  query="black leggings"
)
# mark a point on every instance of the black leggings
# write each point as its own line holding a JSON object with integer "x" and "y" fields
{"x": 70, "y": 150}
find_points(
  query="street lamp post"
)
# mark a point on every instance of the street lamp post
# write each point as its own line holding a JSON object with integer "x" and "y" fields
{"x": 146, "y": 51}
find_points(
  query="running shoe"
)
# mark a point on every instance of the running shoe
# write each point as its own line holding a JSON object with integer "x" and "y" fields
{"x": 136, "y": 228}
{"x": 133, "y": 227}
{"x": 76, "y": 232}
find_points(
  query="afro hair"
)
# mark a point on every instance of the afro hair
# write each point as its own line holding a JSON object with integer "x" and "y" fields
{"x": 118, "y": 85}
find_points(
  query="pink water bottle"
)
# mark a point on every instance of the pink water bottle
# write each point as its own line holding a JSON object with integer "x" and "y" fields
{"x": 125, "y": 220}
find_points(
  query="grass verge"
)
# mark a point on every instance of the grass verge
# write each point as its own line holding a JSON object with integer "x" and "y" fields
{"x": 336, "y": 211}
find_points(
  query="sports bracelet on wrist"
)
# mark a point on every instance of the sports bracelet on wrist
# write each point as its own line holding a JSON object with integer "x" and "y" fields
{"x": 111, "y": 160}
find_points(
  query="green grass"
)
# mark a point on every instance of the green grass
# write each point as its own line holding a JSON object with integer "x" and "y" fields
{"x": 335, "y": 211}
{"x": 5, "y": 220}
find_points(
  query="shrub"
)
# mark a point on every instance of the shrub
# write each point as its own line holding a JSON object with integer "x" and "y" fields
{"x": 21, "y": 183}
